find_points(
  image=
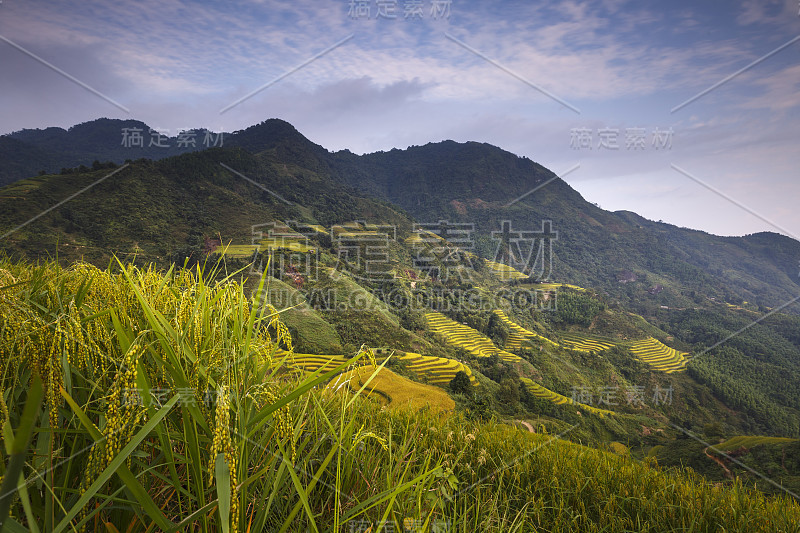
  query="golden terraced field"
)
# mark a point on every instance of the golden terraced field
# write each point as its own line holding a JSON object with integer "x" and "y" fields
{"x": 651, "y": 351}
{"x": 437, "y": 370}
{"x": 466, "y": 337}
{"x": 397, "y": 391}
{"x": 546, "y": 394}
{"x": 518, "y": 335}
{"x": 586, "y": 343}
{"x": 659, "y": 356}
{"x": 504, "y": 271}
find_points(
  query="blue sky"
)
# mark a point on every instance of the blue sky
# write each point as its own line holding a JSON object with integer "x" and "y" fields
{"x": 623, "y": 65}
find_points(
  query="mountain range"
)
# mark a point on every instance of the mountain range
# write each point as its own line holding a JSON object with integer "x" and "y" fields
{"x": 169, "y": 199}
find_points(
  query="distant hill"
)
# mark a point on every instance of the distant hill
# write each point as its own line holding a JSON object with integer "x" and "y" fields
{"x": 480, "y": 183}
{"x": 168, "y": 209}
{"x": 671, "y": 267}
{"x": 27, "y": 152}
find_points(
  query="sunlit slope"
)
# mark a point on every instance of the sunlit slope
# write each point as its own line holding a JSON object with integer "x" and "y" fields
{"x": 397, "y": 391}
{"x": 467, "y": 338}
{"x": 518, "y": 335}
{"x": 435, "y": 370}
{"x": 658, "y": 355}
{"x": 546, "y": 394}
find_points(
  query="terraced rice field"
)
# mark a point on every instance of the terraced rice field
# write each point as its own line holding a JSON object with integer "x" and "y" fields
{"x": 237, "y": 250}
{"x": 556, "y": 286}
{"x": 414, "y": 239}
{"x": 586, "y": 343}
{"x": 650, "y": 350}
{"x": 546, "y": 394}
{"x": 247, "y": 250}
{"x": 437, "y": 370}
{"x": 424, "y": 236}
{"x": 318, "y": 228}
{"x": 518, "y": 336}
{"x": 504, "y": 271}
{"x": 573, "y": 341}
{"x": 286, "y": 244}
{"x": 546, "y": 286}
{"x": 396, "y": 391}
{"x": 573, "y": 287}
{"x": 311, "y": 362}
{"x": 658, "y": 355}
{"x": 466, "y": 337}
{"x": 750, "y": 441}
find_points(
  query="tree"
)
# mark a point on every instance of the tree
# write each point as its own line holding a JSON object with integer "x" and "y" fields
{"x": 508, "y": 393}
{"x": 460, "y": 384}
{"x": 713, "y": 430}
{"x": 497, "y": 330}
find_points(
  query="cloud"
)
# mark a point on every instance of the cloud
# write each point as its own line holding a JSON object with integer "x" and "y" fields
{"x": 778, "y": 92}
{"x": 768, "y": 12}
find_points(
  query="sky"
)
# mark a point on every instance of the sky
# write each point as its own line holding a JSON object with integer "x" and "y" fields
{"x": 682, "y": 111}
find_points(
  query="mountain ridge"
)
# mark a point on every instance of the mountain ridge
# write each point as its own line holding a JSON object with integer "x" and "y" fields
{"x": 484, "y": 185}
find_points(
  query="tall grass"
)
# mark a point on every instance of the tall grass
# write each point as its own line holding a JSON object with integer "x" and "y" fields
{"x": 167, "y": 407}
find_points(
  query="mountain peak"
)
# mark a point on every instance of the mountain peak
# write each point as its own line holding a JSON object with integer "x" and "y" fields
{"x": 268, "y": 134}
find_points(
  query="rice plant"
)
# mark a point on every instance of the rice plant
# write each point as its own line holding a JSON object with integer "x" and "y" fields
{"x": 168, "y": 406}
{"x": 138, "y": 400}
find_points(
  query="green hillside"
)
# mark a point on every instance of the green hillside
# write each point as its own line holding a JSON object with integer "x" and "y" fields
{"x": 224, "y": 436}
{"x": 269, "y": 281}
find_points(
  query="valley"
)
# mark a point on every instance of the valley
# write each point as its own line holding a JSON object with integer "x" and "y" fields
{"x": 346, "y": 301}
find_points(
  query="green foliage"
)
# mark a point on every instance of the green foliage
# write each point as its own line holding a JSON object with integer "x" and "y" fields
{"x": 497, "y": 330}
{"x": 508, "y": 394}
{"x": 575, "y": 307}
{"x": 754, "y": 371}
{"x": 460, "y": 384}
{"x": 277, "y": 450}
{"x": 286, "y": 451}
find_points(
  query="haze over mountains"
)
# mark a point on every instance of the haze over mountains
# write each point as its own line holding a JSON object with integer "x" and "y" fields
{"x": 460, "y": 182}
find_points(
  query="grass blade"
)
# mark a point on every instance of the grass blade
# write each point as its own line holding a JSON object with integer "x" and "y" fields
{"x": 21, "y": 442}
{"x": 117, "y": 465}
{"x": 222, "y": 479}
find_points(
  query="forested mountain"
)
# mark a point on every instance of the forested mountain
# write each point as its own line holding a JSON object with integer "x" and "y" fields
{"x": 460, "y": 182}
{"x": 28, "y": 152}
{"x": 479, "y": 183}
{"x": 171, "y": 208}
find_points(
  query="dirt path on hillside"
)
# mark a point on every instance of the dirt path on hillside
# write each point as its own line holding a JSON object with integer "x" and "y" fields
{"x": 719, "y": 462}
{"x": 527, "y": 425}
